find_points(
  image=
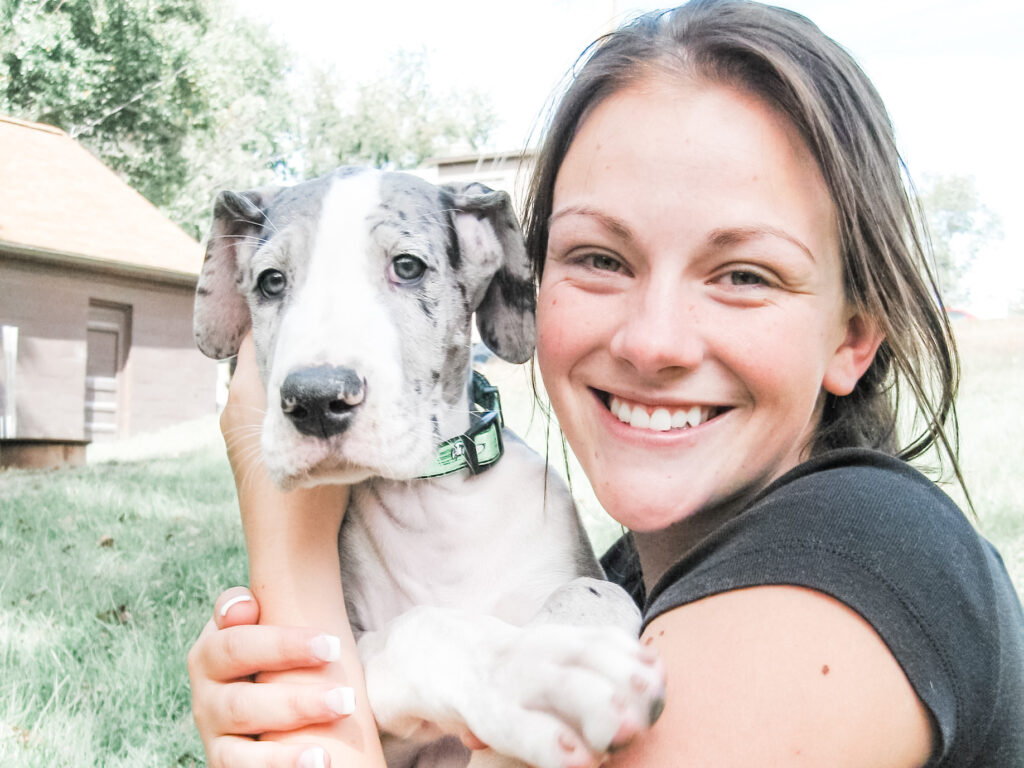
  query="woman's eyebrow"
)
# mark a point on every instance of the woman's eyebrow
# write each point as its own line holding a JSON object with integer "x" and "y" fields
{"x": 728, "y": 236}
{"x": 613, "y": 224}
{"x": 721, "y": 237}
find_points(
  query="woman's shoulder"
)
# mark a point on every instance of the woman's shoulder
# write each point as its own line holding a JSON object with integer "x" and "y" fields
{"x": 873, "y": 484}
{"x": 865, "y": 507}
{"x": 862, "y": 527}
{"x": 852, "y": 511}
{"x": 872, "y": 533}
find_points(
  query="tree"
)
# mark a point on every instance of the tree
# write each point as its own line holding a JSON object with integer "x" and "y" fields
{"x": 960, "y": 225}
{"x": 152, "y": 88}
{"x": 184, "y": 98}
{"x": 251, "y": 135}
{"x": 395, "y": 120}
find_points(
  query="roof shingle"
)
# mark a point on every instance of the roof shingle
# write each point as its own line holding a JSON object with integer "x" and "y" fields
{"x": 57, "y": 199}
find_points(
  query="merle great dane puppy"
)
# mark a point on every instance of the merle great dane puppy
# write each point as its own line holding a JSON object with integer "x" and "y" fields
{"x": 475, "y": 598}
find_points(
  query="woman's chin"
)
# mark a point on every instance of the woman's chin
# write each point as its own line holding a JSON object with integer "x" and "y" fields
{"x": 639, "y": 514}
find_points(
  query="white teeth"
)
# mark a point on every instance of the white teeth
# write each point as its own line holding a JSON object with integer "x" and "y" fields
{"x": 621, "y": 410}
{"x": 662, "y": 419}
{"x": 680, "y": 419}
{"x": 694, "y": 416}
{"x": 639, "y": 419}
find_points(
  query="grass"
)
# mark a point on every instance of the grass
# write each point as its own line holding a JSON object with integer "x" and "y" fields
{"x": 991, "y": 413}
{"x": 107, "y": 572}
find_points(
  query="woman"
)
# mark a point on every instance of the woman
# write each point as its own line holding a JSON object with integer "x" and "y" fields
{"x": 732, "y": 294}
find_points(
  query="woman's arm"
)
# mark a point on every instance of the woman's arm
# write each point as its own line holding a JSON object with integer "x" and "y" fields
{"x": 779, "y": 676}
{"x": 292, "y": 542}
{"x": 291, "y": 539}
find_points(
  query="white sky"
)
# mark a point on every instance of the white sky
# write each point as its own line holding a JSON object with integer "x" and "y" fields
{"x": 950, "y": 71}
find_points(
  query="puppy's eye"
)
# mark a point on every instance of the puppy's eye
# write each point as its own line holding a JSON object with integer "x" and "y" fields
{"x": 407, "y": 269}
{"x": 271, "y": 283}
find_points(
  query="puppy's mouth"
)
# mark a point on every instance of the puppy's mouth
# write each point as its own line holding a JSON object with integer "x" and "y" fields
{"x": 659, "y": 418}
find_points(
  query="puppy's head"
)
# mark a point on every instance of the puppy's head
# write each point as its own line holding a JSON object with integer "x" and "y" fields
{"x": 359, "y": 288}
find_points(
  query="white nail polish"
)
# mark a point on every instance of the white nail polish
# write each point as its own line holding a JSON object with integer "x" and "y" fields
{"x": 233, "y": 601}
{"x": 313, "y": 758}
{"x": 326, "y": 647}
{"x": 341, "y": 700}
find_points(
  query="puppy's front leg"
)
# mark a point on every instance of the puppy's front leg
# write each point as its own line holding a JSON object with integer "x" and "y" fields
{"x": 550, "y": 695}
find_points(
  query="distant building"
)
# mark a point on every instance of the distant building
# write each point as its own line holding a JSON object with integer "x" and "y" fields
{"x": 96, "y": 293}
{"x": 508, "y": 171}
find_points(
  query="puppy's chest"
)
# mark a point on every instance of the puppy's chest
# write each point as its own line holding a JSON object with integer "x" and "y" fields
{"x": 448, "y": 545}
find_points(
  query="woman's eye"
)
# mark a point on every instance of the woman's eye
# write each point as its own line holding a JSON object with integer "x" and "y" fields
{"x": 604, "y": 263}
{"x": 743, "y": 277}
{"x": 407, "y": 269}
{"x": 271, "y": 283}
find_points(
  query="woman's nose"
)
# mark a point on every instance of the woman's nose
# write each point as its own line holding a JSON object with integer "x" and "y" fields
{"x": 660, "y": 331}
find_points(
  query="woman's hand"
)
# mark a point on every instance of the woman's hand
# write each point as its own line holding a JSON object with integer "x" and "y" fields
{"x": 230, "y": 709}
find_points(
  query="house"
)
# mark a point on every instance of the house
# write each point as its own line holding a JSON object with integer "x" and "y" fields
{"x": 508, "y": 171}
{"x": 96, "y": 292}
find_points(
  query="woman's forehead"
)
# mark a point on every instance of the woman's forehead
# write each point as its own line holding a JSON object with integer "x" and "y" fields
{"x": 664, "y": 147}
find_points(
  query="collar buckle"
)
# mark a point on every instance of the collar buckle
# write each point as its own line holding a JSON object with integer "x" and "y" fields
{"x": 479, "y": 448}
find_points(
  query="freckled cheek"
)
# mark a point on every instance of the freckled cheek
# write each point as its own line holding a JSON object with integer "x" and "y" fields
{"x": 550, "y": 340}
{"x": 560, "y": 345}
{"x": 551, "y": 323}
{"x": 746, "y": 350}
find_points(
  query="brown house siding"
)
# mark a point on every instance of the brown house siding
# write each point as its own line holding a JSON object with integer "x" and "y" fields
{"x": 165, "y": 379}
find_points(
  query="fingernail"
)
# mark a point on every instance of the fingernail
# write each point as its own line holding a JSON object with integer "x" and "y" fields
{"x": 566, "y": 742}
{"x": 341, "y": 700}
{"x": 233, "y": 601}
{"x": 623, "y": 736}
{"x": 326, "y": 647}
{"x": 313, "y": 757}
{"x": 648, "y": 654}
{"x": 638, "y": 684}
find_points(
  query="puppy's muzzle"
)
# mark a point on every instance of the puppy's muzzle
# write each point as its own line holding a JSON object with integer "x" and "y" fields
{"x": 321, "y": 401}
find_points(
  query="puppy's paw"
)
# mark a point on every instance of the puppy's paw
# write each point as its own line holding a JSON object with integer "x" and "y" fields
{"x": 558, "y": 696}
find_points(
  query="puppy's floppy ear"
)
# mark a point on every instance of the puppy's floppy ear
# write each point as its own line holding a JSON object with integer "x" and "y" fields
{"x": 221, "y": 315}
{"x": 486, "y": 221}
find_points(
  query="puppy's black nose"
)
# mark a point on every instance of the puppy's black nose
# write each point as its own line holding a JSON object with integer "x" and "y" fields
{"x": 319, "y": 401}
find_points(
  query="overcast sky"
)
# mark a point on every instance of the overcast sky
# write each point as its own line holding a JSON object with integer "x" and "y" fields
{"x": 950, "y": 72}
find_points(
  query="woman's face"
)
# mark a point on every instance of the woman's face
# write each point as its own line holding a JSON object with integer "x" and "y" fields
{"x": 691, "y": 310}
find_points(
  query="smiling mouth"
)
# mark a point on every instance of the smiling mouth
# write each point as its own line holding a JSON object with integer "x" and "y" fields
{"x": 659, "y": 418}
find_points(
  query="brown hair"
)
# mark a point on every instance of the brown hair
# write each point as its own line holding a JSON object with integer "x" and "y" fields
{"x": 784, "y": 59}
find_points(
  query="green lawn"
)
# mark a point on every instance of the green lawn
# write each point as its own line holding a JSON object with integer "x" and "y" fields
{"x": 991, "y": 411}
{"x": 107, "y": 572}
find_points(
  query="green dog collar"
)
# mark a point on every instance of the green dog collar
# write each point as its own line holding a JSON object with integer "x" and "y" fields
{"x": 480, "y": 447}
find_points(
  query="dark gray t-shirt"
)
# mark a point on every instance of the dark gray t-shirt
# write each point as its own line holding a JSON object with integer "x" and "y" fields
{"x": 875, "y": 534}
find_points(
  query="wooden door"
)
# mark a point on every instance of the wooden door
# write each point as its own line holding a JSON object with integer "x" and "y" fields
{"x": 107, "y": 345}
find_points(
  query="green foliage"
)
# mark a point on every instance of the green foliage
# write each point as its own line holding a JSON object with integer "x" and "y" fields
{"x": 117, "y": 74}
{"x": 960, "y": 225}
{"x": 250, "y": 139}
{"x": 393, "y": 121}
{"x": 186, "y": 97}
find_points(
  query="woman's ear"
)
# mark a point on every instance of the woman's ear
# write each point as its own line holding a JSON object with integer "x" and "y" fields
{"x": 853, "y": 356}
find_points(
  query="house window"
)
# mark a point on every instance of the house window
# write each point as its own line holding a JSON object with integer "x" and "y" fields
{"x": 8, "y": 369}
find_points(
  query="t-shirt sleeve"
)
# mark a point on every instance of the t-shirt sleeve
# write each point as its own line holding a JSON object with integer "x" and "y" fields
{"x": 879, "y": 537}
